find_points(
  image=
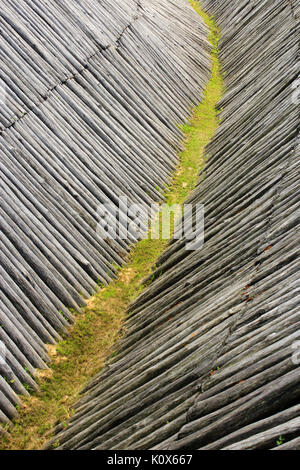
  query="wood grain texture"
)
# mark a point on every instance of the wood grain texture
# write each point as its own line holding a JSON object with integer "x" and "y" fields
{"x": 207, "y": 359}
{"x": 93, "y": 95}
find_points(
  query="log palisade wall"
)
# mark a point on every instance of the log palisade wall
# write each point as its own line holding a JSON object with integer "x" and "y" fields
{"x": 207, "y": 361}
{"x": 92, "y": 93}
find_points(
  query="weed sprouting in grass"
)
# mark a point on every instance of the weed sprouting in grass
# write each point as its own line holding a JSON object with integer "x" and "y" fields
{"x": 280, "y": 441}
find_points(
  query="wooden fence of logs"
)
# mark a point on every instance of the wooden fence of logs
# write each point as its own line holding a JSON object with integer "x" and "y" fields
{"x": 210, "y": 358}
{"x": 92, "y": 94}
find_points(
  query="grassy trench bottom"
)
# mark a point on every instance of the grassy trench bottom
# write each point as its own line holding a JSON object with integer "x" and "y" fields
{"x": 98, "y": 327}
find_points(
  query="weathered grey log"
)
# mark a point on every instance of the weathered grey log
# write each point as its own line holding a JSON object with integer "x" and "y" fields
{"x": 265, "y": 439}
{"x": 255, "y": 428}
